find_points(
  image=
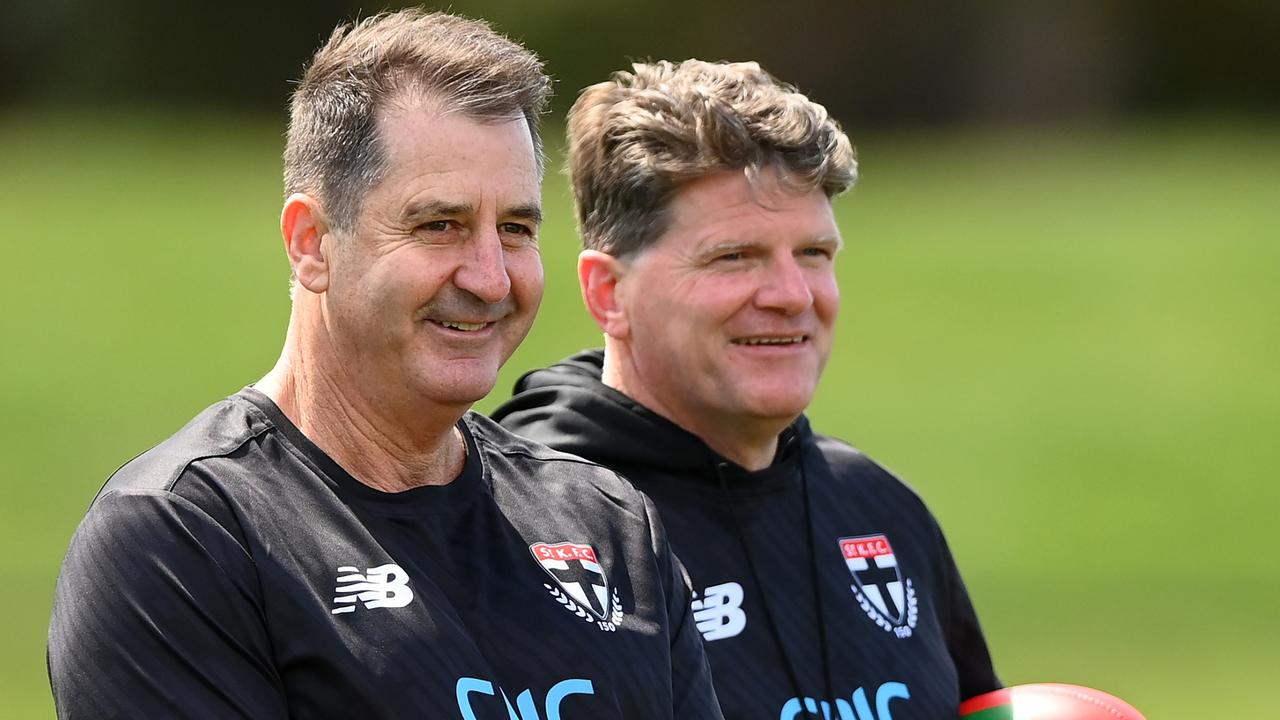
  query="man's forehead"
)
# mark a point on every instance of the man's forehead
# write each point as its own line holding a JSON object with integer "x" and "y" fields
{"x": 708, "y": 207}
{"x": 435, "y": 133}
{"x": 412, "y": 120}
{"x": 441, "y": 162}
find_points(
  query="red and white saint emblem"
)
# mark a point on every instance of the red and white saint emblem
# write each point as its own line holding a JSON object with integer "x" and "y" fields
{"x": 581, "y": 583}
{"x": 884, "y": 595}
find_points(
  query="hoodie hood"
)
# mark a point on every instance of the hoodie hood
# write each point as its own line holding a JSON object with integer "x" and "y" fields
{"x": 567, "y": 407}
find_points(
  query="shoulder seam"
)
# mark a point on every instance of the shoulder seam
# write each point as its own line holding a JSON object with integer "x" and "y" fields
{"x": 565, "y": 458}
{"x": 553, "y": 456}
{"x": 182, "y": 469}
{"x": 187, "y": 504}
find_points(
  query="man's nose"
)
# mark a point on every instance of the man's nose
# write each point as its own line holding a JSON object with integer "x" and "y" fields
{"x": 784, "y": 287}
{"x": 483, "y": 272}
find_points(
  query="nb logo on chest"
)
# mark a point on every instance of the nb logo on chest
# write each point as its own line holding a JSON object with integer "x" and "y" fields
{"x": 383, "y": 586}
{"x": 719, "y": 613}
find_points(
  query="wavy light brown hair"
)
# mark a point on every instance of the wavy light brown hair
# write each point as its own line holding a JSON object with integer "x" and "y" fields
{"x": 333, "y": 149}
{"x": 634, "y": 140}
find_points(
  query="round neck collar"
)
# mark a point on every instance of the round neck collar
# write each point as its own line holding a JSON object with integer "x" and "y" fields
{"x": 426, "y": 498}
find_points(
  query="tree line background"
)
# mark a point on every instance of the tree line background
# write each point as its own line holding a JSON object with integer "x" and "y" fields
{"x": 871, "y": 63}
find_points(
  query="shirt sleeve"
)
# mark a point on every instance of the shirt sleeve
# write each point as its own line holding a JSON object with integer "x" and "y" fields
{"x": 157, "y": 615}
{"x": 965, "y": 641}
{"x": 693, "y": 696}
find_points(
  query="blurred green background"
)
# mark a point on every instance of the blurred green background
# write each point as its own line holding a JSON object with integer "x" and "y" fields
{"x": 1061, "y": 289}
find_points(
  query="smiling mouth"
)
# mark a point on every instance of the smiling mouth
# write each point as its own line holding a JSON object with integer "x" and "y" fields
{"x": 788, "y": 340}
{"x": 462, "y": 326}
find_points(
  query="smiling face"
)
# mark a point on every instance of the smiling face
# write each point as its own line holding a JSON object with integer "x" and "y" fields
{"x": 729, "y": 315}
{"x": 440, "y": 278}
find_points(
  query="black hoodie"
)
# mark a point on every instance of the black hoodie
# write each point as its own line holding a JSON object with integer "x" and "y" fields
{"x": 890, "y": 634}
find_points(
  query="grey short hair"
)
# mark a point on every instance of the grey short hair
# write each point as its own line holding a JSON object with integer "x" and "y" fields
{"x": 332, "y": 147}
{"x": 634, "y": 140}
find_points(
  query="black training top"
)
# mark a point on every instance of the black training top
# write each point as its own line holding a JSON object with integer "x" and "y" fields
{"x": 236, "y": 571}
{"x": 890, "y": 633}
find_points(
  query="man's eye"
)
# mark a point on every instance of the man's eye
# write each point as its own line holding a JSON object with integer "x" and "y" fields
{"x": 730, "y": 256}
{"x": 516, "y": 229}
{"x": 435, "y": 225}
{"x": 817, "y": 252}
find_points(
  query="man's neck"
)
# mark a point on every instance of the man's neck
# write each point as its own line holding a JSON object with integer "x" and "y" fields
{"x": 749, "y": 455}
{"x": 386, "y": 443}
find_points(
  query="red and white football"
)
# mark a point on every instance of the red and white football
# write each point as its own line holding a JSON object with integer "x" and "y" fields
{"x": 1047, "y": 701}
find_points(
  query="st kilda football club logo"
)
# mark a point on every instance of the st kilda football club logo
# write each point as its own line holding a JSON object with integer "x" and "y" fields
{"x": 580, "y": 584}
{"x": 884, "y": 595}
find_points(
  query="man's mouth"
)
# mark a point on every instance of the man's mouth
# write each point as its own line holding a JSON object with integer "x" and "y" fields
{"x": 771, "y": 340}
{"x": 462, "y": 326}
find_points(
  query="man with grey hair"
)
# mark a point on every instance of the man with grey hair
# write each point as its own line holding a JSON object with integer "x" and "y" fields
{"x": 703, "y": 193}
{"x": 344, "y": 539}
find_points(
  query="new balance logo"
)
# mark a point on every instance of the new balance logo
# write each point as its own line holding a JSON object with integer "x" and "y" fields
{"x": 719, "y": 613}
{"x": 382, "y": 586}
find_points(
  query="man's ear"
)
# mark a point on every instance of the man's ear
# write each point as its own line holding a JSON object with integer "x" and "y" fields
{"x": 304, "y": 226}
{"x": 599, "y": 275}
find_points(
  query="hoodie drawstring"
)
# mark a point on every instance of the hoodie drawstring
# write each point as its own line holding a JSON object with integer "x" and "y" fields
{"x": 813, "y": 578}
{"x": 813, "y": 575}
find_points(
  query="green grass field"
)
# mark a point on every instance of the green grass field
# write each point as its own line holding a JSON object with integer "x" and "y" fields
{"x": 1067, "y": 340}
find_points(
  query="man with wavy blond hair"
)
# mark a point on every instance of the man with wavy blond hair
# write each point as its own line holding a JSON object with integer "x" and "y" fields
{"x": 703, "y": 193}
{"x": 344, "y": 539}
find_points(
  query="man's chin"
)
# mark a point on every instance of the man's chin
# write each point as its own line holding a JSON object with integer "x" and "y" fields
{"x": 465, "y": 395}
{"x": 782, "y": 405}
{"x": 460, "y": 389}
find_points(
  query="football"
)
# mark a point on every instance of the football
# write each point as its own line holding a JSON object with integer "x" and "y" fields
{"x": 1047, "y": 701}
